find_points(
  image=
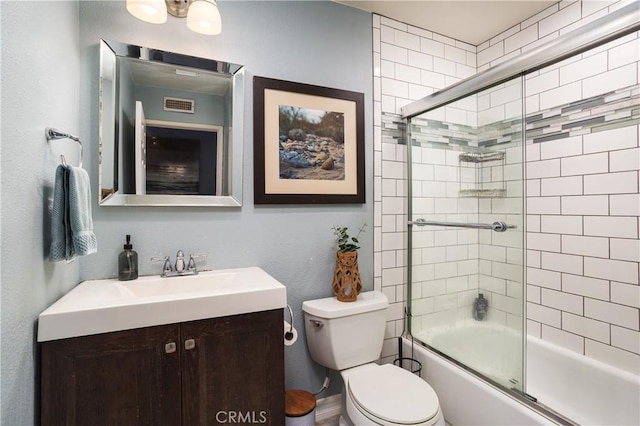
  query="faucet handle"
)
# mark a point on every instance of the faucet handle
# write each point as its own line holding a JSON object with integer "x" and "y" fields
{"x": 167, "y": 263}
{"x": 192, "y": 261}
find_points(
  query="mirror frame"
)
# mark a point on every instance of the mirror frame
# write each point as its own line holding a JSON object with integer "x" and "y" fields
{"x": 114, "y": 49}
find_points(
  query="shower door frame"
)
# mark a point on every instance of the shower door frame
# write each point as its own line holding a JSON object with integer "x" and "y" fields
{"x": 617, "y": 24}
{"x": 521, "y": 396}
{"x": 411, "y": 223}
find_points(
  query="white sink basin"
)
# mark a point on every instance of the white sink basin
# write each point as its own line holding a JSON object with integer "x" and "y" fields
{"x": 101, "y": 306}
{"x": 210, "y": 282}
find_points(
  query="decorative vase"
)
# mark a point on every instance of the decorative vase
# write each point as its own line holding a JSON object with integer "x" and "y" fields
{"x": 346, "y": 280}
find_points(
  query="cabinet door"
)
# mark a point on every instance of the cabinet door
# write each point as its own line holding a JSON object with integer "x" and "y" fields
{"x": 235, "y": 371}
{"x": 120, "y": 378}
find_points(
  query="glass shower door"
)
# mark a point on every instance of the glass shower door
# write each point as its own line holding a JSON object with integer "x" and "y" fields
{"x": 466, "y": 231}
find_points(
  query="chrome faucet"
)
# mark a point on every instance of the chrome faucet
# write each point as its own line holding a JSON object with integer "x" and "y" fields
{"x": 180, "y": 268}
{"x": 180, "y": 261}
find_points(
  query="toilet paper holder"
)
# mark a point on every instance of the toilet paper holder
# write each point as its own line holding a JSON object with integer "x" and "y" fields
{"x": 288, "y": 335}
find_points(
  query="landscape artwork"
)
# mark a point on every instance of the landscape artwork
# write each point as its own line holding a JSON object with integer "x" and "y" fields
{"x": 311, "y": 144}
{"x": 308, "y": 144}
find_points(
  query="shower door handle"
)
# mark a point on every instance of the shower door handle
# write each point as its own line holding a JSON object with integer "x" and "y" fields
{"x": 497, "y": 226}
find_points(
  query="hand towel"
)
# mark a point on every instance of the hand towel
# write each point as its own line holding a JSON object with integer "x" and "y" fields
{"x": 71, "y": 220}
{"x": 61, "y": 246}
{"x": 80, "y": 220}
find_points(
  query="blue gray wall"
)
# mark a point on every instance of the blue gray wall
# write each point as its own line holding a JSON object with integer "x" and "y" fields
{"x": 40, "y": 74}
{"x": 49, "y": 78}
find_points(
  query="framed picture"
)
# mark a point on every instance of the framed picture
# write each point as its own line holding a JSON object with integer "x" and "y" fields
{"x": 308, "y": 145}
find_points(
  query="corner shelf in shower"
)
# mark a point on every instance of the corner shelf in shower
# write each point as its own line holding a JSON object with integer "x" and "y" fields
{"x": 477, "y": 172}
{"x": 481, "y": 157}
{"x": 482, "y": 193}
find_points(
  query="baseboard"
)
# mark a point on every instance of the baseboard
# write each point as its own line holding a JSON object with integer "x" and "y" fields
{"x": 328, "y": 407}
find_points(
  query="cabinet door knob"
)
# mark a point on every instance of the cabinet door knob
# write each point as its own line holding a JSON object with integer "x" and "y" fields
{"x": 170, "y": 347}
{"x": 189, "y": 344}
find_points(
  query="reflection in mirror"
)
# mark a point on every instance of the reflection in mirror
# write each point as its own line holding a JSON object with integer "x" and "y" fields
{"x": 166, "y": 124}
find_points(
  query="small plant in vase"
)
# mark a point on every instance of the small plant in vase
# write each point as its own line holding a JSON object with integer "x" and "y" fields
{"x": 346, "y": 279}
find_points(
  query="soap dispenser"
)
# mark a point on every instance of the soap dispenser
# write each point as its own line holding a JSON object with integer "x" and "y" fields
{"x": 128, "y": 262}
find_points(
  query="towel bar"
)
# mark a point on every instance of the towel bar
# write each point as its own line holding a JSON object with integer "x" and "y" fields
{"x": 53, "y": 134}
{"x": 497, "y": 226}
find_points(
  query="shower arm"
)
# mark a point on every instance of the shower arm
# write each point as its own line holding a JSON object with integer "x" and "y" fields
{"x": 497, "y": 226}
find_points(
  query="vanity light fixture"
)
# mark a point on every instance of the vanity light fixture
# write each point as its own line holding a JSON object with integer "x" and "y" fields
{"x": 202, "y": 15}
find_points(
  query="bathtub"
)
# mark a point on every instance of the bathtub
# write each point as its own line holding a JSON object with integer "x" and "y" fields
{"x": 584, "y": 390}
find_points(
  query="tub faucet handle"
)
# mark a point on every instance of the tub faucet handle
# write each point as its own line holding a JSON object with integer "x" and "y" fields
{"x": 480, "y": 307}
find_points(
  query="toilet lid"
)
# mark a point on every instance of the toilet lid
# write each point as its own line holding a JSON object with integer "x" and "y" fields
{"x": 394, "y": 395}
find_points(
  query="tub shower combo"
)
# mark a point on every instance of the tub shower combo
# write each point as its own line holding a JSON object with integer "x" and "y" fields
{"x": 467, "y": 288}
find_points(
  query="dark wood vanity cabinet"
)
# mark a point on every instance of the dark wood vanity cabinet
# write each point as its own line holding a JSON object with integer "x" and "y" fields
{"x": 123, "y": 377}
{"x": 227, "y": 370}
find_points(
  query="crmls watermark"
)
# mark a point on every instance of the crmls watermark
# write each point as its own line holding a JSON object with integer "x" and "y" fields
{"x": 241, "y": 417}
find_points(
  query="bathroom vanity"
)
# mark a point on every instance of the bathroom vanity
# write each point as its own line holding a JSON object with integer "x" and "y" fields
{"x": 195, "y": 371}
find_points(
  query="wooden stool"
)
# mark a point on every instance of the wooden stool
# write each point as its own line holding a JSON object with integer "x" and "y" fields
{"x": 299, "y": 408}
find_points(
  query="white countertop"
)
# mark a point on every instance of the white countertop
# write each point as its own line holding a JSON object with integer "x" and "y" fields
{"x": 102, "y": 306}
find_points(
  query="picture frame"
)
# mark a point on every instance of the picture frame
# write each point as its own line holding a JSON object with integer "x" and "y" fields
{"x": 308, "y": 145}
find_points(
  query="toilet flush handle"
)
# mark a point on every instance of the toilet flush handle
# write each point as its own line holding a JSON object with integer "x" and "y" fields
{"x": 316, "y": 323}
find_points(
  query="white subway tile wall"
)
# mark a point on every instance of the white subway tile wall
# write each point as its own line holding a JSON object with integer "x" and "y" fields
{"x": 582, "y": 187}
{"x": 589, "y": 201}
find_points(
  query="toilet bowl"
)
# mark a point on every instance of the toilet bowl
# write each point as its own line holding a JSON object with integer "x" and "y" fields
{"x": 389, "y": 395}
{"x": 348, "y": 337}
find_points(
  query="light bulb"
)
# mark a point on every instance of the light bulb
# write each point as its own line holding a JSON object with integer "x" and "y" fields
{"x": 152, "y": 11}
{"x": 204, "y": 17}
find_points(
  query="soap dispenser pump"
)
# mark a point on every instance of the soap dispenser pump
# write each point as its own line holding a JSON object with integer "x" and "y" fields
{"x": 128, "y": 262}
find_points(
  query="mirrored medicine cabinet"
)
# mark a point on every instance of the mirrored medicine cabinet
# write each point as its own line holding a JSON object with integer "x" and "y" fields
{"x": 170, "y": 129}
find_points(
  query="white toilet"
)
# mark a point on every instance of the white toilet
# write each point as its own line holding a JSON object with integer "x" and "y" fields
{"x": 348, "y": 336}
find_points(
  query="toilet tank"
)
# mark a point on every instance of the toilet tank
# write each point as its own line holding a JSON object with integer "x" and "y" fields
{"x": 342, "y": 335}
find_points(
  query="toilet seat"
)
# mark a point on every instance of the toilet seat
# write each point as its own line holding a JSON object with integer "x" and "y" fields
{"x": 389, "y": 394}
